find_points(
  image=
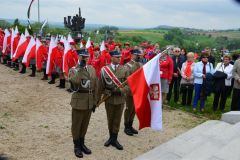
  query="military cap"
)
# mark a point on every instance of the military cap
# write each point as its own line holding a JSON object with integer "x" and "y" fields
{"x": 83, "y": 52}
{"x": 115, "y": 54}
{"x": 135, "y": 51}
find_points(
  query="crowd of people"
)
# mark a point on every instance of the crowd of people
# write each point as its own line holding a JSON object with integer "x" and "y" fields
{"x": 181, "y": 72}
{"x": 191, "y": 75}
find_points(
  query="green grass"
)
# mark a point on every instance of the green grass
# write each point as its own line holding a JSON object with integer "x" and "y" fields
{"x": 230, "y": 35}
{"x": 208, "y": 113}
{"x": 148, "y": 35}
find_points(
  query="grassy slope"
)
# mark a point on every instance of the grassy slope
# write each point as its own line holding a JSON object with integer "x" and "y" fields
{"x": 230, "y": 35}
{"x": 148, "y": 35}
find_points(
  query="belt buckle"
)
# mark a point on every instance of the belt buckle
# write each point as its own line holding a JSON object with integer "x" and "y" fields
{"x": 90, "y": 91}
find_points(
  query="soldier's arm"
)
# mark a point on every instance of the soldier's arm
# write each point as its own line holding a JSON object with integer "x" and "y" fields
{"x": 101, "y": 85}
{"x": 126, "y": 90}
{"x": 76, "y": 78}
{"x": 96, "y": 89}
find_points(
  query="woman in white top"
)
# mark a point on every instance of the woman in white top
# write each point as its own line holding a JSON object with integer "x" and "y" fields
{"x": 223, "y": 84}
{"x": 186, "y": 83}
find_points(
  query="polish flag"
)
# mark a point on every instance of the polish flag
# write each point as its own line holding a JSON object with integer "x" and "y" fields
{"x": 41, "y": 54}
{"x": 147, "y": 94}
{"x": 52, "y": 48}
{"x": 14, "y": 40}
{"x": 67, "y": 51}
{"x": 21, "y": 48}
{"x": 6, "y": 40}
{"x": 30, "y": 52}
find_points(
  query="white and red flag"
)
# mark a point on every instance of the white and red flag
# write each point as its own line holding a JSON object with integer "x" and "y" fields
{"x": 21, "y": 48}
{"x": 6, "y": 40}
{"x": 14, "y": 40}
{"x": 52, "y": 48}
{"x": 146, "y": 90}
{"x": 30, "y": 52}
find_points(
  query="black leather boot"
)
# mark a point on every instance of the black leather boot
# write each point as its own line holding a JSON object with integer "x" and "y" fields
{"x": 53, "y": 79}
{"x": 84, "y": 148}
{"x": 16, "y": 68}
{"x": 9, "y": 63}
{"x": 62, "y": 83}
{"x": 77, "y": 149}
{"x": 115, "y": 142}
{"x": 45, "y": 76}
{"x": 4, "y": 61}
{"x": 134, "y": 131}
{"x": 23, "y": 71}
{"x": 128, "y": 130}
{"x": 33, "y": 71}
{"x": 109, "y": 141}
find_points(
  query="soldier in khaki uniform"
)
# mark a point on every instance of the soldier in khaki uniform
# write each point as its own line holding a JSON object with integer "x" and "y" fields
{"x": 115, "y": 103}
{"x": 83, "y": 102}
{"x": 129, "y": 113}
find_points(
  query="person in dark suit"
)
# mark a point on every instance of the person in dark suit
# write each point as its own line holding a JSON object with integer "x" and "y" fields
{"x": 177, "y": 62}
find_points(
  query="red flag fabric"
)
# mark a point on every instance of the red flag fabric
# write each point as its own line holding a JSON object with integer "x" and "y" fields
{"x": 147, "y": 94}
{"x": 52, "y": 49}
{"x": 6, "y": 42}
{"x": 30, "y": 52}
{"x": 21, "y": 48}
{"x": 15, "y": 42}
{"x": 1, "y": 39}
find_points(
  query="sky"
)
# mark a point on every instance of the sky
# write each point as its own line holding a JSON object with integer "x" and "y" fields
{"x": 201, "y": 14}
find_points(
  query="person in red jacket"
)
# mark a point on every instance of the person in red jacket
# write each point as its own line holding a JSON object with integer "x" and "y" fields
{"x": 166, "y": 73}
{"x": 58, "y": 62}
{"x": 95, "y": 61}
{"x": 70, "y": 60}
{"x": 43, "y": 55}
{"x": 126, "y": 54}
{"x": 105, "y": 57}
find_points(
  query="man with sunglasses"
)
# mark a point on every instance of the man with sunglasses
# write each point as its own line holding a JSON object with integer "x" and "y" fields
{"x": 177, "y": 62}
{"x": 84, "y": 99}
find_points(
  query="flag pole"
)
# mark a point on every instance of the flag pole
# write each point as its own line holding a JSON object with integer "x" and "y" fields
{"x": 38, "y": 12}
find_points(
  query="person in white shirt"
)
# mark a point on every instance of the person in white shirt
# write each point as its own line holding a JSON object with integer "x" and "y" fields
{"x": 223, "y": 84}
{"x": 200, "y": 71}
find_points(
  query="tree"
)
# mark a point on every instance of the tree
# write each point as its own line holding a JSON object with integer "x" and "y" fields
{"x": 4, "y": 24}
{"x": 21, "y": 28}
{"x": 175, "y": 36}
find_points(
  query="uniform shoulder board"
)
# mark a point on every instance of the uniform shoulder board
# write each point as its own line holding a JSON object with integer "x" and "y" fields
{"x": 129, "y": 65}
